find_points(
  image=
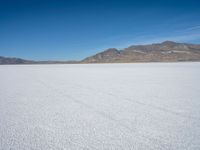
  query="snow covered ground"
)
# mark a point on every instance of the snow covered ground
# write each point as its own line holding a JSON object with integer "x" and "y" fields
{"x": 100, "y": 106}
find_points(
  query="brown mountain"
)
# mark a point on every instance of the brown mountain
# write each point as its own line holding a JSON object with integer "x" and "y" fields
{"x": 167, "y": 51}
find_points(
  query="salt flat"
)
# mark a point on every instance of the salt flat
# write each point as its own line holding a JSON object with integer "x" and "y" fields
{"x": 100, "y": 106}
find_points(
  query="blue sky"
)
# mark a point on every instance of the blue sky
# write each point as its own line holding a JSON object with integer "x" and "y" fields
{"x": 75, "y": 29}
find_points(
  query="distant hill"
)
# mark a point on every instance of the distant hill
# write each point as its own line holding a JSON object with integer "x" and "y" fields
{"x": 8, "y": 60}
{"x": 167, "y": 51}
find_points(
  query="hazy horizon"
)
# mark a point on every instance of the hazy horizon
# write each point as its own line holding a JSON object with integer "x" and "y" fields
{"x": 97, "y": 52}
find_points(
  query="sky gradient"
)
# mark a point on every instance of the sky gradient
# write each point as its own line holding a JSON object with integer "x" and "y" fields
{"x": 73, "y": 30}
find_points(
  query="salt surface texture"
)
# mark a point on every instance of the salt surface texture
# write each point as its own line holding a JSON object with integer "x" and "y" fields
{"x": 100, "y": 106}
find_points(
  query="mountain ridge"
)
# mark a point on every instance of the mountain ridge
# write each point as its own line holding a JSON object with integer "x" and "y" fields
{"x": 167, "y": 51}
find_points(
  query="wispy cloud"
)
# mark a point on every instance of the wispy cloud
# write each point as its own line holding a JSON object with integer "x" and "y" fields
{"x": 192, "y": 34}
{"x": 193, "y": 28}
{"x": 185, "y": 35}
{"x": 177, "y": 38}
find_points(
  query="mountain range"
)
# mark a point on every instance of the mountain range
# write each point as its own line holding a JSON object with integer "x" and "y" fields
{"x": 167, "y": 51}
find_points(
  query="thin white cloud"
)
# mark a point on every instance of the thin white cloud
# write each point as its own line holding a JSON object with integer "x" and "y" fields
{"x": 177, "y": 38}
{"x": 193, "y": 28}
{"x": 142, "y": 39}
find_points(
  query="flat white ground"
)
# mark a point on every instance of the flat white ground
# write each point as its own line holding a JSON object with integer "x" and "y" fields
{"x": 100, "y": 106}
